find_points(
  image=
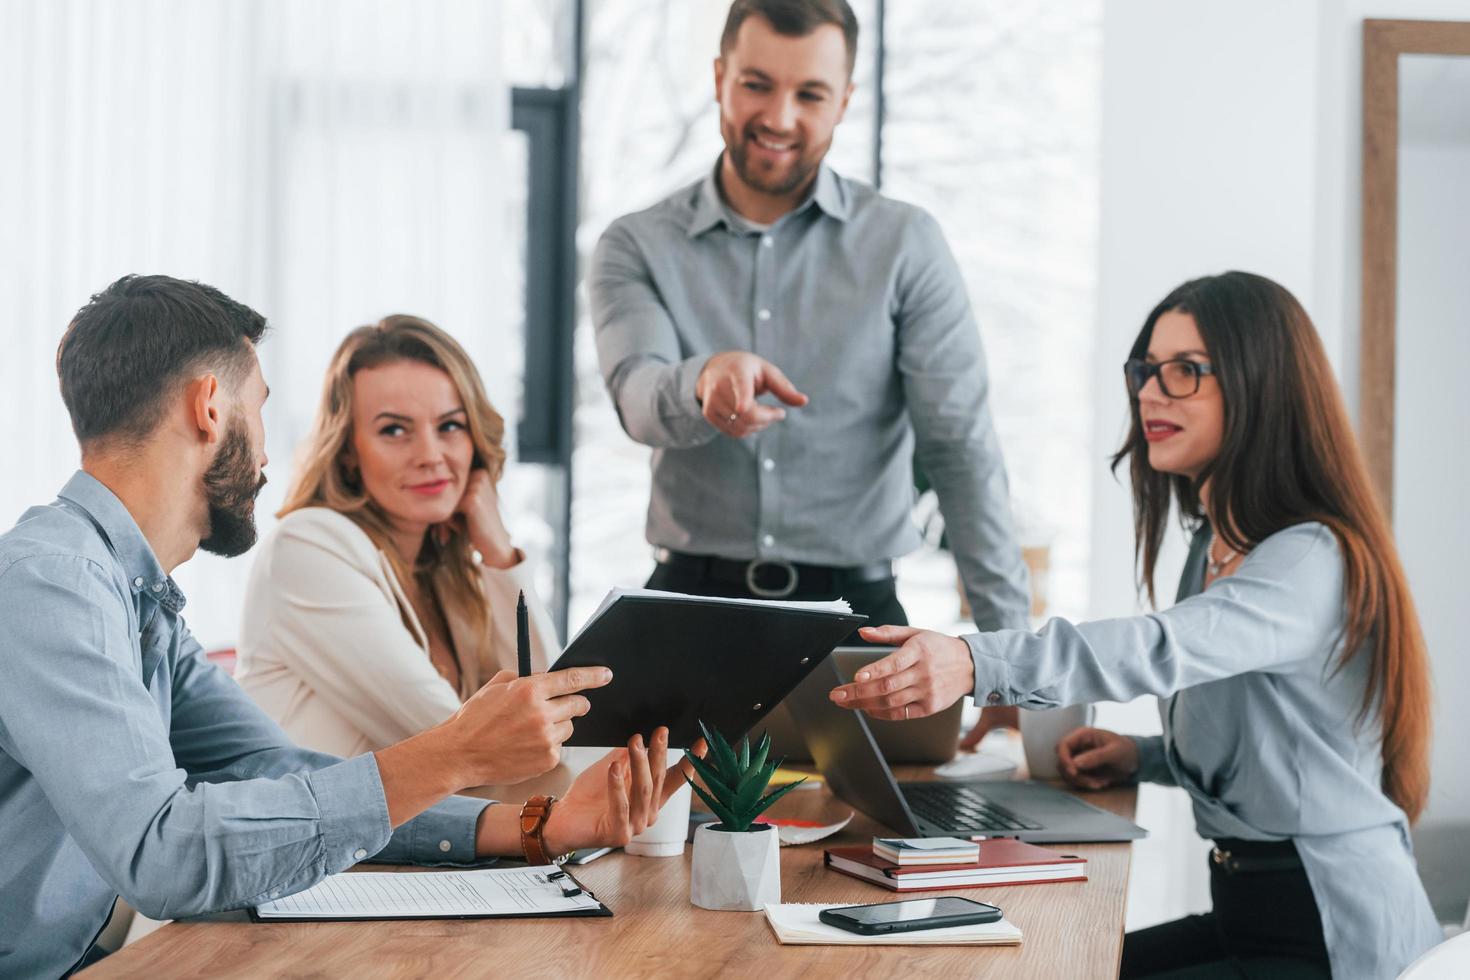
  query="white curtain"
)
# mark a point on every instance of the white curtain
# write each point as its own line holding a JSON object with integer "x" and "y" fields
{"x": 327, "y": 162}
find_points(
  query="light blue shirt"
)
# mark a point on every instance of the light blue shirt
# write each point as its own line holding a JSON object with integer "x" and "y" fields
{"x": 130, "y": 765}
{"x": 1259, "y": 727}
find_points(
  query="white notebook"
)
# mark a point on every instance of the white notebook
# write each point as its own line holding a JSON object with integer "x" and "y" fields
{"x": 798, "y": 925}
{"x": 484, "y": 893}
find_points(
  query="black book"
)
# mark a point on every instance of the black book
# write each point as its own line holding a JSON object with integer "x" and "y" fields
{"x": 678, "y": 660}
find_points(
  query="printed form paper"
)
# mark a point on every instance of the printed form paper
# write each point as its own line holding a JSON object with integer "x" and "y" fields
{"x": 384, "y": 895}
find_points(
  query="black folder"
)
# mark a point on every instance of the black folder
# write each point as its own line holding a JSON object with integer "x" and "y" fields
{"x": 680, "y": 660}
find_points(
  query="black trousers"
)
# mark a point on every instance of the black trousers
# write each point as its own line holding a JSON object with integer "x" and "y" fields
{"x": 876, "y": 600}
{"x": 1265, "y": 924}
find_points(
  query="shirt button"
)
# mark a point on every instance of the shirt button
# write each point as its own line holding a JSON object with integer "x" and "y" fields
{"x": 993, "y": 697}
{"x": 768, "y": 464}
{"x": 764, "y": 314}
{"x": 138, "y": 581}
{"x": 767, "y": 241}
{"x": 444, "y": 846}
{"x": 768, "y": 540}
{"x": 275, "y": 893}
{"x": 359, "y": 854}
{"x": 157, "y": 586}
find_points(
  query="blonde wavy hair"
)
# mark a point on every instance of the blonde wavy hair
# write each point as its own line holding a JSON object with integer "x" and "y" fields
{"x": 447, "y": 563}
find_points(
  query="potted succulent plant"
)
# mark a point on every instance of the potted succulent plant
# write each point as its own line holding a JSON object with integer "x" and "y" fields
{"x": 737, "y": 862}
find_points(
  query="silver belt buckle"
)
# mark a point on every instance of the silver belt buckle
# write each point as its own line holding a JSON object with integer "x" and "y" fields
{"x": 763, "y": 592}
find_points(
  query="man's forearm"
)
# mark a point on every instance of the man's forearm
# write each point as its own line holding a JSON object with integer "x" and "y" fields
{"x": 498, "y": 831}
{"x": 416, "y": 775}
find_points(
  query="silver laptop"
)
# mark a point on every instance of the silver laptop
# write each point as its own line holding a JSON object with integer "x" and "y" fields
{"x": 845, "y": 751}
{"x": 930, "y": 740}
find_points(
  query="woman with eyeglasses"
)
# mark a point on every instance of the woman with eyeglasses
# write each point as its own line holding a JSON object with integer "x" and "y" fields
{"x": 1291, "y": 671}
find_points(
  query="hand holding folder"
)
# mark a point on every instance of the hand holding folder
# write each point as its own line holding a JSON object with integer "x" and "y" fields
{"x": 610, "y": 802}
{"x": 678, "y": 660}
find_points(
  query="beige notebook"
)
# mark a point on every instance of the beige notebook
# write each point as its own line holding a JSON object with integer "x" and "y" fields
{"x": 798, "y": 925}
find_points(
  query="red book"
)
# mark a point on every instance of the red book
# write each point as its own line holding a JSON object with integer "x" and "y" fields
{"x": 1002, "y": 862}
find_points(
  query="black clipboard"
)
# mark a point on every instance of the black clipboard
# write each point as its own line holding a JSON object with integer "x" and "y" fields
{"x": 601, "y": 912}
{"x": 680, "y": 660}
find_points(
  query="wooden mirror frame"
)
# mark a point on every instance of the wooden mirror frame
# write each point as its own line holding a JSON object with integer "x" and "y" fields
{"x": 1383, "y": 42}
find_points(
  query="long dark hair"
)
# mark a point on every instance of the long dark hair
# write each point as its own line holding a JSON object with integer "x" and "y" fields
{"x": 1288, "y": 456}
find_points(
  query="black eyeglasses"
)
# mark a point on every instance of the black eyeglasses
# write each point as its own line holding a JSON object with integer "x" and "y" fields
{"x": 1178, "y": 378}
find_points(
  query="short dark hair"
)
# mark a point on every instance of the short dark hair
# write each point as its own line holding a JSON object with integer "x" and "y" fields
{"x": 127, "y": 347}
{"x": 794, "y": 18}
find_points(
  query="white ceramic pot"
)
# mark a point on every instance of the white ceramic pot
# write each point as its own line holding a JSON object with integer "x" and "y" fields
{"x": 1042, "y": 730}
{"x": 737, "y": 872}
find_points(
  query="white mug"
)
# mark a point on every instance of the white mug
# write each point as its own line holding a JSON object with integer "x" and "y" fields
{"x": 1042, "y": 730}
{"x": 667, "y": 835}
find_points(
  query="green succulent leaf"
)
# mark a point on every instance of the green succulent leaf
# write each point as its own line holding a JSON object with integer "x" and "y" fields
{"x": 712, "y": 779}
{"x": 724, "y": 757}
{"x": 747, "y": 797}
{"x": 762, "y": 750}
{"x": 773, "y": 797}
{"x": 726, "y": 817}
{"x": 735, "y": 779}
{"x": 756, "y": 774}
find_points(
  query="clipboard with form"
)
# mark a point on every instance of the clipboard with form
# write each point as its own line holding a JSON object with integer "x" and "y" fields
{"x": 485, "y": 893}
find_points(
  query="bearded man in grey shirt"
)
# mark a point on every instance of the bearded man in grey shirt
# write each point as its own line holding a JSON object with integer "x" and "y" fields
{"x": 786, "y": 340}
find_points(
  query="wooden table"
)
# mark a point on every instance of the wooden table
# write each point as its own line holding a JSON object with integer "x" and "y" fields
{"x": 1072, "y": 929}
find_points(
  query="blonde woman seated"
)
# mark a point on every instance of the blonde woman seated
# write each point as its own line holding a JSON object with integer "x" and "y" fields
{"x": 386, "y": 596}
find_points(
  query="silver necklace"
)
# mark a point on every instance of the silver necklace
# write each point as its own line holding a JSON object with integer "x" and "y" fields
{"x": 1216, "y": 567}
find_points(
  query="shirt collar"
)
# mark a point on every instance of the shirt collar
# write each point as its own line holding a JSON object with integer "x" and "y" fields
{"x": 710, "y": 208}
{"x": 134, "y": 553}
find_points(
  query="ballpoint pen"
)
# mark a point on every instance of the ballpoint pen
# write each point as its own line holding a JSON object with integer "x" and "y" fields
{"x": 523, "y": 638}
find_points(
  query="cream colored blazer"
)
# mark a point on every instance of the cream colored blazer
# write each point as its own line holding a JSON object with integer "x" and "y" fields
{"x": 332, "y": 650}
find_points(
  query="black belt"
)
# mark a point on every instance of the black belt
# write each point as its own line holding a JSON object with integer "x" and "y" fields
{"x": 1233, "y": 856}
{"x": 775, "y": 578}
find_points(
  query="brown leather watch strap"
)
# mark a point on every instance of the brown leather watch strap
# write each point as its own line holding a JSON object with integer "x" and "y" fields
{"x": 533, "y": 829}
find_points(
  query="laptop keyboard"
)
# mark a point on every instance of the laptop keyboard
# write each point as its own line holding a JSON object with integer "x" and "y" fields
{"x": 961, "y": 808}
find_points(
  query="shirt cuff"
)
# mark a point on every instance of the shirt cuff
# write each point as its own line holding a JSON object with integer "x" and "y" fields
{"x": 992, "y": 673}
{"x": 1153, "y": 767}
{"x": 444, "y": 834}
{"x": 354, "y": 812}
{"x": 687, "y": 379}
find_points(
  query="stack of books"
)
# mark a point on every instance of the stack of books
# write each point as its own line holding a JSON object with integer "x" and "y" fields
{"x": 936, "y": 864}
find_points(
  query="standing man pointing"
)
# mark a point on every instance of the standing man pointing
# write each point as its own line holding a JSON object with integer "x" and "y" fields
{"x": 786, "y": 339}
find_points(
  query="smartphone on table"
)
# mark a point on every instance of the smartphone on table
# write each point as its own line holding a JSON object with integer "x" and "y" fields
{"x": 910, "y": 915}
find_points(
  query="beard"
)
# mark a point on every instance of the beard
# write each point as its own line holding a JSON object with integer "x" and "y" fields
{"x": 767, "y": 181}
{"x": 231, "y": 485}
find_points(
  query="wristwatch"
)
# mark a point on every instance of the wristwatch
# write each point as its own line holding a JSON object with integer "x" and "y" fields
{"x": 533, "y": 830}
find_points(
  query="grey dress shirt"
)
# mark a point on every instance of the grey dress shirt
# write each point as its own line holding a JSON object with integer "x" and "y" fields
{"x": 130, "y": 765}
{"x": 1259, "y": 727}
{"x": 858, "y": 300}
